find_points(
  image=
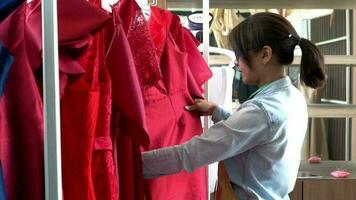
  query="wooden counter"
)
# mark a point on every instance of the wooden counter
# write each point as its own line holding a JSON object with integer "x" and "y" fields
{"x": 314, "y": 182}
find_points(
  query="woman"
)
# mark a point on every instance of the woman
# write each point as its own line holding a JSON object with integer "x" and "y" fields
{"x": 260, "y": 142}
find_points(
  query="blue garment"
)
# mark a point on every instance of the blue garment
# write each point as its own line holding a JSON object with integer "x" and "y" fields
{"x": 2, "y": 185}
{"x": 260, "y": 144}
{"x": 7, "y": 6}
{"x": 6, "y": 59}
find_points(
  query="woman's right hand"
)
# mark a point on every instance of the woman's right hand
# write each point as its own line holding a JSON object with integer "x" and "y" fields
{"x": 203, "y": 106}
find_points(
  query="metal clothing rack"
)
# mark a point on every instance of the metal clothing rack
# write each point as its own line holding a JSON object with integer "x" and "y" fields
{"x": 52, "y": 137}
{"x": 52, "y": 142}
{"x": 206, "y": 16}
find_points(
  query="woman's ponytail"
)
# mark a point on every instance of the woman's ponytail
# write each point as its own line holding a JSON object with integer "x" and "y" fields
{"x": 273, "y": 30}
{"x": 312, "y": 64}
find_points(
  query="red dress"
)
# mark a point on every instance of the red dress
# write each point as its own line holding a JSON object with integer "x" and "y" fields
{"x": 103, "y": 167}
{"x": 87, "y": 162}
{"x": 21, "y": 118}
{"x": 129, "y": 130}
{"x": 85, "y": 99}
{"x": 163, "y": 57}
{"x": 169, "y": 124}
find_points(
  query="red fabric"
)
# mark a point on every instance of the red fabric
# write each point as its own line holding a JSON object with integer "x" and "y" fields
{"x": 21, "y": 118}
{"x": 79, "y": 111}
{"x": 104, "y": 178}
{"x": 168, "y": 123}
{"x": 103, "y": 167}
{"x": 98, "y": 179}
{"x": 88, "y": 173}
{"x": 77, "y": 19}
{"x": 138, "y": 35}
{"x": 126, "y": 85}
{"x": 199, "y": 69}
{"x": 74, "y": 28}
{"x": 79, "y": 106}
{"x": 74, "y": 34}
{"x": 74, "y": 38}
{"x": 128, "y": 121}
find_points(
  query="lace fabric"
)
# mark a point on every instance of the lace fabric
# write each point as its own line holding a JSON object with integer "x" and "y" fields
{"x": 103, "y": 166}
{"x": 128, "y": 124}
{"x": 142, "y": 47}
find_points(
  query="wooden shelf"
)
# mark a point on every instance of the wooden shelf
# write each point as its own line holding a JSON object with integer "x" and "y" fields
{"x": 329, "y": 60}
{"x": 331, "y": 110}
{"x": 333, "y": 60}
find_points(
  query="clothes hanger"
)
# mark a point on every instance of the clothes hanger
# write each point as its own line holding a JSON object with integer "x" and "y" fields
{"x": 152, "y": 3}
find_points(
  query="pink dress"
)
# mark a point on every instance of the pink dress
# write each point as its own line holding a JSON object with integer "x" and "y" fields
{"x": 169, "y": 123}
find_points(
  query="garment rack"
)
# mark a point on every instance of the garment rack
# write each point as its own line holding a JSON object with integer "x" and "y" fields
{"x": 51, "y": 111}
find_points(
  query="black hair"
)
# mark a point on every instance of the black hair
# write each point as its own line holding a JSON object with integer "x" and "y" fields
{"x": 269, "y": 29}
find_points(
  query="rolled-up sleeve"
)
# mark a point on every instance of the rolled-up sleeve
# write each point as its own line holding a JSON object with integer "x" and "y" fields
{"x": 220, "y": 113}
{"x": 242, "y": 131}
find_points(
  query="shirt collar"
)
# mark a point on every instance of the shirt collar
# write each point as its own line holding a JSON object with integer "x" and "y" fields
{"x": 275, "y": 85}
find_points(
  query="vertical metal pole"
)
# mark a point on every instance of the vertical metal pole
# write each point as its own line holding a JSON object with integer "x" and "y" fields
{"x": 353, "y": 88}
{"x": 206, "y": 57}
{"x": 206, "y": 48}
{"x": 52, "y": 143}
{"x": 348, "y": 86}
{"x": 206, "y": 30}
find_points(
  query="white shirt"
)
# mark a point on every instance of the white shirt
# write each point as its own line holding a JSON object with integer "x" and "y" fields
{"x": 260, "y": 144}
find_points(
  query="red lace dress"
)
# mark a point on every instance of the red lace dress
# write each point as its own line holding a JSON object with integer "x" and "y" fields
{"x": 163, "y": 71}
{"x": 129, "y": 130}
{"x": 21, "y": 118}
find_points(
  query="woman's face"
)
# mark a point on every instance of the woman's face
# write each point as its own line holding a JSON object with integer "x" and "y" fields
{"x": 262, "y": 67}
{"x": 248, "y": 73}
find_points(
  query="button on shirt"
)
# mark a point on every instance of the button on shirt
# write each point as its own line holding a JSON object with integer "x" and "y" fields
{"x": 260, "y": 144}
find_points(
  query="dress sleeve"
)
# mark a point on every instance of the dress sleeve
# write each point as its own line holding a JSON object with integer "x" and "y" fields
{"x": 197, "y": 65}
{"x": 242, "y": 131}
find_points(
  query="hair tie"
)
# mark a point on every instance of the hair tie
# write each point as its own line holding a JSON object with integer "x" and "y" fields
{"x": 298, "y": 43}
{"x": 299, "y": 38}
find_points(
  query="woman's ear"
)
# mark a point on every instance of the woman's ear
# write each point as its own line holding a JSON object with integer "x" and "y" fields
{"x": 266, "y": 54}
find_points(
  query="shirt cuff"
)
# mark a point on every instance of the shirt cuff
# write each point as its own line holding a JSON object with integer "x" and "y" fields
{"x": 220, "y": 113}
{"x": 160, "y": 162}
